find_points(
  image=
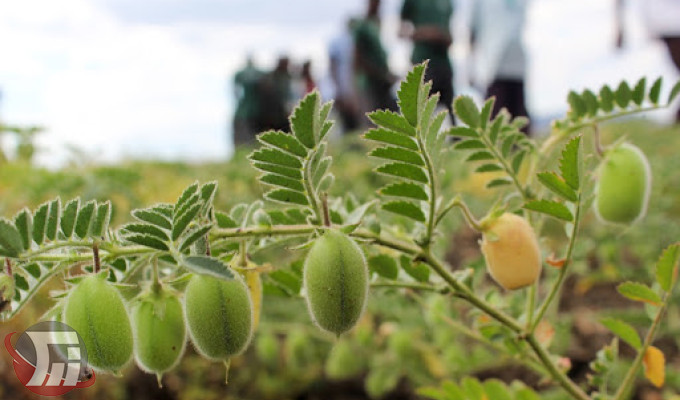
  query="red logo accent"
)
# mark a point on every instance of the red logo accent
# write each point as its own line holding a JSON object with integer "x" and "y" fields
{"x": 24, "y": 371}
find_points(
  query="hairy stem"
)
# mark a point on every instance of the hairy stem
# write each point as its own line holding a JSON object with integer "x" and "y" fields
{"x": 409, "y": 285}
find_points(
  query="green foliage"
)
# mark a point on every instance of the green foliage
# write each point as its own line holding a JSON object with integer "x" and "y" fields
{"x": 473, "y": 389}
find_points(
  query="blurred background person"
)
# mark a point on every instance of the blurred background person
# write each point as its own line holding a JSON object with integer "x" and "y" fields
{"x": 372, "y": 71}
{"x": 276, "y": 93}
{"x": 247, "y": 96}
{"x": 341, "y": 70}
{"x": 427, "y": 24}
{"x": 500, "y": 61}
{"x": 307, "y": 81}
{"x": 662, "y": 19}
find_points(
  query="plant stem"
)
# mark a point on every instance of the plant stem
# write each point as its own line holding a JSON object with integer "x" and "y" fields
{"x": 307, "y": 183}
{"x": 432, "y": 178}
{"x": 508, "y": 170}
{"x": 95, "y": 258}
{"x": 324, "y": 208}
{"x": 409, "y": 285}
{"x": 629, "y": 379}
{"x": 457, "y": 202}
{"x": 563, "y": 271}
{"x": 264, "y": 231}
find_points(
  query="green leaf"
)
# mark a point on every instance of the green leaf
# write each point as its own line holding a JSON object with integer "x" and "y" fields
{"x": 463, "y": 132}
{"x": 384, "y": 265}
{"x": 283, "y": 141}
{"x": 480, "y": 156}
{"x": 24, "y": 224}
{"x": 517, "y": 161}
{"x": 606, "y": 99}
{"x": 473, "y": 389}
{"x": 10, "y": 239}
{"x": 638, "y": 94}
{"x": 497, "y": 390}
{"x": 408, "y": 94}
{"x": 655, "y": 91}
{"x": 185, "y": 197}
{"x": 68, "y": 217}
{"x": 526, "y": 394}
{"x": 389, "y": 137}
{"x": 403, "y": 171}
{"x": 39, "y": 223}
{"x": 577, "y": 106}
{"x": 294, "y": 173}
{"x": 287, "y": 281}
{"x": 326, "y": 183}
{"x": 100, "y": 223}
{"x": 495, "y": 128}
{"x": 208, "y": 192}
{"x": 152, "y": 217}
{"x": 667, "y": 267}
{"x": 85, "y": 219}
{"x": 282, "y": 181}
{"x": 488, "y": 168}
{"x": 590, "y": 101}
{"x": 392, "y": 121}
{"x": 405, "y": 209}
{"x": 52, "y": 224}
{"x": 485, "y": 113}
{"x": 405, "y": 189}
{"x": 674, "y": 92}
{"x": 639, "y": 292}
{"x": 398, "y": 154}
{"x": 624, "y": 331}
{"x": 205, "y": 265}
{"x": 557, "y": 185}
{"x": 148, "y": 241}
{"x": 466, "y": 110}
{"x": 224, "y": 221}
{"x": 275, "y": 156}
{"x": 146, "y": 229}
{"x": 552, "y": 208}
{"x": 623, "y": 94}
{"x": 302, "y": 119}
{"x": 419, "y": 272}
{"x": 287, "y": 196}
{"x": 320, "y": 170}
{"x": 470, "y": 144}
{"x": 193, "y": 236}
{"x": 180, "y": 224}
{"x": 498, "y": 182}
{"x": 569, "y": 163}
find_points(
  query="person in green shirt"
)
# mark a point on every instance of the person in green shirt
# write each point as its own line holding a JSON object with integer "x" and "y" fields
{"x": 427, "y": 24}
{"x": 246, "y": 91}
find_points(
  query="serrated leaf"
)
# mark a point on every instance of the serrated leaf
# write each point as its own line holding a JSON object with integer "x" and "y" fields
{"x": 392, "y": 122}
{"x": 146, "y": 229}
{"x": 205, "y": 265}
{"x": 68, "y": 217}
{"x": 275, "y": 156}
{"x": 40, "y": 223}
{"x": 85, "y": 219}
{"x": 480, "y": 156}
{"x": 208, "y": 191}
{"x": 224, "y": 221}
{"x": 24, "y": 224}
{"x": 100, "y": 223}
{"x": 165, "y": 209}
{"x": 639, "y": 292}
{"x": 384, "y": 265}
{"x": 590, "y": 101}
{"x": 389, "y": 137}
{"x": 623, "y": 94}
{"x": 638, "y": 94}
{"x": 278, "y": 169}
{"x": 463, "y": 131}
{"x": 623, "y": 330}
{"x": 287, "y": 196}
{"x": 10, "y": 239}
{"x": 283, "y": 141}
{"x": 655, "y": 366}
{"x": 497, "y": 390}
{"x": 606, "y": 99}
{"x": 495, "y": 128}
{"x": 470, "y": 144}
{"x": 398, "y": 154}
{"x": 186, "y": 195}
{"x": 419, "y": 271}
{"x": 405, "y": 189}
{"x": 577, "y": 106}
{"x": 551, "y": 208}
{"x": 466, "y": 110}
{"x": 402, "y": 170}
{"x": 557, "y": 185}
{"x": 473, "y": 389}
{"x": 152, "y": 217}
{"x": 52, "y": 224}
{"x": 655, "y": 91}
{"x": 180, "y": 224}
{"x": 517, "y": 161}
{"x": 667, "y": 267}
{"x": 488, "y": 168}
{"x": 674, "y": 92}
{"x": 485, "y": 113}
{"x": 282, "y": 181}
{"x": 302, "y": 119}
{"x": 569, "y": 167}
{"x": 193, "y": 236}
{"x": 287, "y": 281}
{"x": 405, "y": 209}
{"x": 498, "y": 182}
{"x": 408, "y": 94}
{"x": 148, "y": 241}
{"x": 326, "y": 183}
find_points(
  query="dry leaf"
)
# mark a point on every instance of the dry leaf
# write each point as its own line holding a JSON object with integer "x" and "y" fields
{"x": 557, "y": 263}
{"x": 655, "y": 364}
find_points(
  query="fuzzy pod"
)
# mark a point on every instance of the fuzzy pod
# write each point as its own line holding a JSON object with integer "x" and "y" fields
{"x": 95, "y": 309}
{"x": 219, "y": 315}
{"x": 336, "y": 281}
{"x": 511, "y": 251}
{"x": 624, "y": 185}
{"x": 159, "y": 331}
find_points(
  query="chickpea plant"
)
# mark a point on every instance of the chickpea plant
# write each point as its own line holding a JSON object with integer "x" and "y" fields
{"x": 183, "y": 270}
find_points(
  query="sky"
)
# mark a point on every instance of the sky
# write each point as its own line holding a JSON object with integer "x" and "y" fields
{"x": 128, "y": 78}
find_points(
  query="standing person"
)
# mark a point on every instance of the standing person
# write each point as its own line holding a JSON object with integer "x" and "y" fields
{"x": 306, "y": 77}
{"x": 341, "y": 63}
{"x": 372, "y": 71}
{"x": 662, "y": 18}
{"x": 427, "y": 24}
{"x": 246, "y": 92}
{"x": 500, "y": 57}
{"x": 276, "y": 93}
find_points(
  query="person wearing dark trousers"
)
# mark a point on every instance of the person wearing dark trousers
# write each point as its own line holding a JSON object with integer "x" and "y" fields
{"x": 427, "y": 24}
